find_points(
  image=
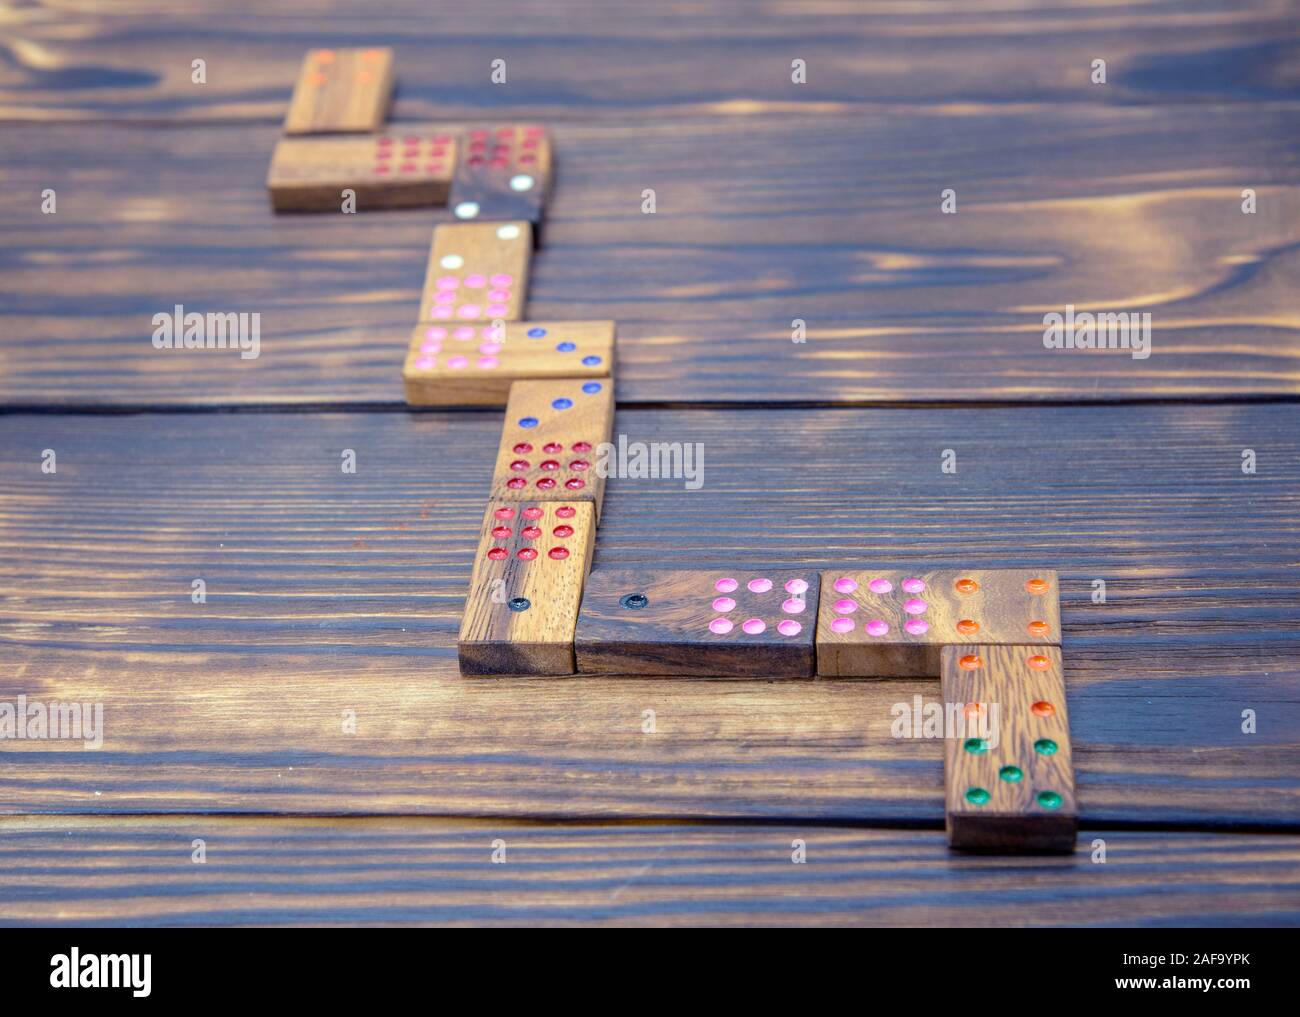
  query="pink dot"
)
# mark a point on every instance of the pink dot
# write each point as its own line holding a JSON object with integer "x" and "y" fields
{"x": 913, "y": 585}
{"x": 497, "y": 310}
{"x": 440, "y": 312}
{"x": 845, "y": 606}
{"x": 475, "y": 281}
{"x": 487, "y": 363}
{"x": 437, "y": 332}
{"x": 845, "y": 585}
{"x": 464, "y": 333}
{"x": 726, "y": 585}
{"x": 724, "y": 604}
{"x": 499, "y": 296}
{"x": 424, "y": 363}
{"x": 447, "y": 282}
{"x": 759, "y": 585}
{"x": 789, "y": 627}
{"x": 430, "y": 346}
{"x": 842, "y": 625}
{"x": 469, "y": 310}
{"x": 491, "y": 349}
{"x": 456, "y": 363}
{"x": 721, "y": 626}
{"x": 793, "y": 605}
{"x": 754, "y": 626}
{"x": 880, "y": 586}
{"x": 876, "y": 627}
{"x": 796, "y": 586}
{"x": 502, "y": 279}
{"x": 917, "y": 626}
{"x": 444, "y": 298}
{"x": 914, "y": 606}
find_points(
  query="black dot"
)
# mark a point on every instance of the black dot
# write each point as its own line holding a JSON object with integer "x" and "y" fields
{"x": 519, "y": 604}
{"x": 634, "y": 601}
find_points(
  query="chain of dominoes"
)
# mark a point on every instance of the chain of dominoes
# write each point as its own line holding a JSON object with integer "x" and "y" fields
{"x": 534, "y": 606}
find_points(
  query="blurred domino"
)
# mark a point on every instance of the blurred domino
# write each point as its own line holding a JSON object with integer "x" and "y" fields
{"x": 404, "y": 170}
{"x": 477, "y": 272}
{"x": 341, "y": 91}
{"x": 503, "y": 173}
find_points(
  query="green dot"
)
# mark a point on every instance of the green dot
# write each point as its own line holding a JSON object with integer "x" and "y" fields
{"x": 1010, "y": 773}
{"x": 1049, "y": 799}
{"x": 976, "y": 795}
{"x": 976, "y": 745}
{"x": 1045, "y": 746}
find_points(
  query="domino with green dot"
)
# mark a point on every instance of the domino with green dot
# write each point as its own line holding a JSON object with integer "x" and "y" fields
{"x": 1008, "y": 773}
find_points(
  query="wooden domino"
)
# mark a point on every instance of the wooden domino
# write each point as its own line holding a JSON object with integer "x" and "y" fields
{"x": 1008, "y": 776}
{"x": 725, "y": 623}
{"x": 478, "y": 271}
{"x": 551, "y": 440}
{"x": 523, "y": 597}
{"x": 475, "y": 365}
{"x": 891, "y": 624}
{"x": 503, "y": 173}
{"x": 404, "y": 170}
{"x": 341, "y": 91}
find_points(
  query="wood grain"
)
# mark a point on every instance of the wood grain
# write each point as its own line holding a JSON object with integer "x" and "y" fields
{"x": 138, "y": 870}
{"x": 698, "y": 622}
{"x": 341, "y": 91}
{"x": 384, "y": 171}
{"x": 329, "y": 592}
{"x": 1008, "y": 772}
{"x": 477, "y": 272}
{"x": 923, "y": 611}
{"x": 475, "y": 366}
{"x": 529, "y": 569}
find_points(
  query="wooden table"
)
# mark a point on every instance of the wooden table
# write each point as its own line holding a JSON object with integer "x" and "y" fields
{"x": 330, "y": 595}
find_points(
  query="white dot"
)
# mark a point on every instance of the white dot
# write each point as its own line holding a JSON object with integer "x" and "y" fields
{"x": 522, "y": 182}
{"x": 508, "y": 233}
{"x": 452, "y": 261}
{"x": 467, "y": 210}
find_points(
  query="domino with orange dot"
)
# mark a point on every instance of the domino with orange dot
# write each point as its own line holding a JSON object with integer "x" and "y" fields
{"x": 503, "y": 173}
{"x": 1008, "y": 771}
{"x": 341, "y": 91}
{"x": 551, "y": 440}
{"x": 522, "y": 606}
{"x": 405, "y": 170}
{"x": 891, "y": 623}
{"x": 475, "y": 364}
{"x": 478, "y": 271}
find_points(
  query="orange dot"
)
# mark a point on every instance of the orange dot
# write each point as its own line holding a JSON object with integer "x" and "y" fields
{"x": 1036, "y": 585}
{"x": 363, "y": 77}
{"x": 967, "y": 627}
{"x": 1038, "y": 628}
{"x": 325, "y": 56}
{"x": 372, "y": 54}
{"x": 970, "y": 662}
{"x": 1042, "y": 708}
{"x": 1038, "y": 662}
{"x": 317, "y": 79}
{"x": 974, "y": 710}
{"x": 966, "y": 585}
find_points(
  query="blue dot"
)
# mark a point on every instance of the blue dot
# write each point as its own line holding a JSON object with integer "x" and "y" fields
{"x": 536, "y": 333}
{"x": 591, "y": 361}
{"x": 591, "y": 388}
{"x": 566, "y": 347}
{"x": 561, "y": 403}
{"x": 528, "y": 421}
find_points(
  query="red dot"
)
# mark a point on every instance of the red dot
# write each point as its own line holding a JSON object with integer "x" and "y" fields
{"x": 552, "y": 447}
{"x": 478, "y": 147}
{"x": 497, "y": 553}
{"x": 575, "y": 483}
{"x": 515, "y": 483}
{"x": 530, "y": 533}
{"x": 546, "y": 483}
{"x": 384, "y": 152}
{"x": 478, "y": 135}
{"x": 476, "y": 160}
{"x": 408, "y": 167}
{"x": 566, "y": 512}
{"x": 579, "y": 465}
{"x": 505, "y": 132}
{"x": 500, "y": 163}
{"x": 533, "y": 132}
{"x": 563, "y": 531}
{"x": 582, "y": 446}
{"x": 381, "y": 168}
{"x": 558, "y": 552}
{"x": 519, "y": 465}
{"x": 504, "y": 513}
{"x": 523, "y": 447}
{"x": 501, "y": 532}
{"x": 1042, "y": 708}
{"x": 526, "y": 553}
{"x": 550, "y": 465}
{"x": 530, "y": 142}
{"x": 441, "y": 139}
{"x": 532, "y": 512}
{"x": 527, "y": 159}
{"x": 385, "y": 140}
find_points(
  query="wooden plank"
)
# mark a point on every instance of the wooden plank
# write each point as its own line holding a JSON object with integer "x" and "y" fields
{"x": 477, "y": 272}
{"x": 529, "y": 569}
{"x": 698, "y": 622}
{"x": 1008, "y": 775}
{"x": 390, "y": 170}
{"x": 341, "y": 91}
{"x": 892, "y": 623}
{"x": 681, "y": 58}
{"x": 1123, "y": 210}
{"x": 332, "y": 595}
{"x": 464, "y": 365}
{"x": 139, "y": 870}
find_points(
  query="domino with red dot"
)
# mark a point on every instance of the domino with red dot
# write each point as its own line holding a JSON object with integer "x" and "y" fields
{"x": 504, "y": 172}
{"x": 341, "y": 91}
{"x": 406, "y": 170}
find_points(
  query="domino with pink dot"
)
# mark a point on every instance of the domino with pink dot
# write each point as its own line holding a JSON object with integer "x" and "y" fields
{"x": 716, "y": 623}
{"x": 478, "y": 271}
